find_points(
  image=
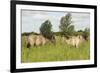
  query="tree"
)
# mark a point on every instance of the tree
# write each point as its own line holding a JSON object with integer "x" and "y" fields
{"x": 45, "y": 29}
{"x": 79, "y": 32}
{"x": 65, "y": 27}
{"x": 86, "y": 33}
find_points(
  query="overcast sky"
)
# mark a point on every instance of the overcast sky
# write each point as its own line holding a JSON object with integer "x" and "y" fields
{"x": 32, "y": 20}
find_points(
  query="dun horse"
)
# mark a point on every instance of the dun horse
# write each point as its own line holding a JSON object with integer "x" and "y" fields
{"x": 74, "y": 40}
{"x": 35, "y": 40}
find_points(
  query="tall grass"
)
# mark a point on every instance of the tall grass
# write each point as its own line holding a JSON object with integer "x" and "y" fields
{"x": 50, "y": 52}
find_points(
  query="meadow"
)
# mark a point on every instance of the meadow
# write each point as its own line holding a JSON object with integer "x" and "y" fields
{"x": 54, "y": 52}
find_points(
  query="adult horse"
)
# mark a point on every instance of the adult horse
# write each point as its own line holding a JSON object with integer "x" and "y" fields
{"x": 74, "y": 40}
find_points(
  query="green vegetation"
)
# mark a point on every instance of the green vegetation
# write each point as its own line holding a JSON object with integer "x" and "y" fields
{"x": 86, "y": 33}
{"x": 45, "y": 29}
{"x": 65, "y": 26}
{"x": 59, "y": 52}
{"x": 28, "y": 33}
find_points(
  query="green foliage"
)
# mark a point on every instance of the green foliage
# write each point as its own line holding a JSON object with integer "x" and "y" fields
{"x": 79, "y": 32}
{"x": 28, "y": 33}
{"x": 57, "y": 33}
{"x": 86, "y": 33}
{"x": 65, "y": 25}
{"x": 45, "y": 29}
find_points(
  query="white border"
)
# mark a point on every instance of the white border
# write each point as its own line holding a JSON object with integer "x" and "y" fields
{"x": 20, "y": 65}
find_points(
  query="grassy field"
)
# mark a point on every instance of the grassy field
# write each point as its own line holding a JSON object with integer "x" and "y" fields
{"x": 59, "y": 52}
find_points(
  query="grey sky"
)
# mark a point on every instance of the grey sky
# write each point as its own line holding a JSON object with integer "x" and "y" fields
{"x": 32, "y": 20}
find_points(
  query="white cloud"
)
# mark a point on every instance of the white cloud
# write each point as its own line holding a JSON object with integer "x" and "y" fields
{"x": 32, "y": 20}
